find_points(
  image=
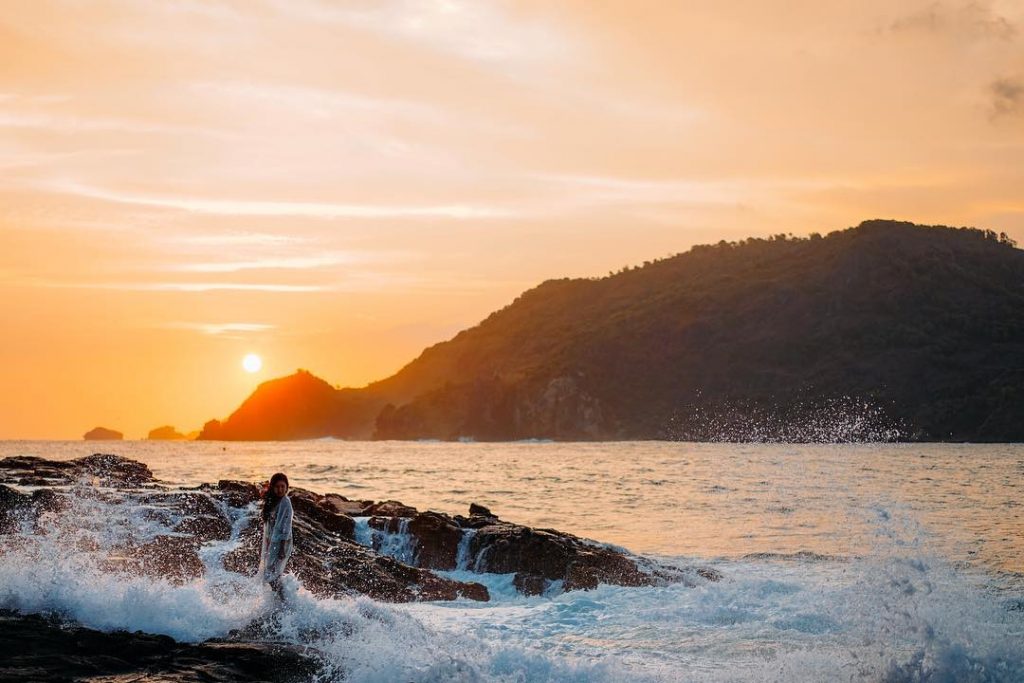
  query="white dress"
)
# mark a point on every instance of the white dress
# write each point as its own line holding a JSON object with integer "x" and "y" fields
{"x": 277, "y": 533}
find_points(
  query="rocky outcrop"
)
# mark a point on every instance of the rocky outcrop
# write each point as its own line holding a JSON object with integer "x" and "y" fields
{"x": 116, "y": 518}
{"x": 37, "y": 648}
{"x": 165, "y": 433}
{"x": 386, "y": 550}
{"x": 102, "y": 434}
{"x": 537, "y": 557}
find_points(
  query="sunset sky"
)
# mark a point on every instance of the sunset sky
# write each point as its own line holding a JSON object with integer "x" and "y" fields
{"x": 335, "y": 185}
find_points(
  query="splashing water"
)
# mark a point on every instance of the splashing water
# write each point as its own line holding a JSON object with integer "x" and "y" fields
{"x": 903, "y": 611}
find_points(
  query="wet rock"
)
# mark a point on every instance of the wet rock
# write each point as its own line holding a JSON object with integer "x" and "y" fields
{"x": 475, "y": 509}
{"x": 238, "y": 493}
{"x": 503, "y": 547}
{"x": 344, "y": 506}
{"x": 530, "y": 584}
{"x": 171, "y": 556}
{"x": 329, "y": 563}
{"x": 13, "y": 505}
{"x": 39, "y": 649}
{"x": 312, "y": 505}
{"x": 28, "y": 470}
{"x": 326, "y": 558}
{"x": 201, "y": 516}
{"x": 103, "y": 469}
{"x": 437, "y": 540}
{"x": 113, "y": 470}
{"x": 390, "y": 508}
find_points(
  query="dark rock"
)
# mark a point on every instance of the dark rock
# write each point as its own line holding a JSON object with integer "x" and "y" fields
{"x": 104, "y": 469}
{"x": 314, "y": 506}
{"x": 529, "y": 584}
{"x": 36, "y": 649}
{"x": 475, "y": 509}
{"x": 103, "y": 434}
{"x": 329, "y": 563}
{"x": 13, "y": 505}
{"x": 174, "y": 557}
{"x": 437, "y": 540}
{"x": 239, "y": 493}
{"x": 390, "y": 508}
{"x": 326, "y": 558}
{"x": 344, "y": 506}
{"x": 113, "y": 470}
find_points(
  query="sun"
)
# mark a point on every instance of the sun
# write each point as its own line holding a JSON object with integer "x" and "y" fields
{"x": 252, "y": 363}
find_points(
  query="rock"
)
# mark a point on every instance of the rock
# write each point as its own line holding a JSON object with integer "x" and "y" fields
{"x": 13, "y": 505}
{"x": 329, "y": 563}
{"x": 390, "y": 508}
{"x": 165, "y": 433}
{"x": 174, "y": 557}
{"x": 326, "y": 559}
{"x": 103, "y": 434}
{"x": 529, "y": 584}
{"x": 314, "y": 506}
{"x": 238, "y": 493}
{"x": 113, "y": 470}
{"x": 475, "y": 509}
{"x": 437, "y": 540}
{"x": 344, "y": 506}
{"x": 36, "y": 649}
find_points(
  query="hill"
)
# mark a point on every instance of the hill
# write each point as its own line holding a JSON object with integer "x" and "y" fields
{"x": 886, "y": 330}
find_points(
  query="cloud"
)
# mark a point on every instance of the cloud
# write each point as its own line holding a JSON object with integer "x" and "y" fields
{"x": 975, "y": 19}
{"x": 478, "y": 31}
{"x": 217, "y": 329}
{"x": 242, "y": 207}
{"x": 181, "y": 286}
{"x": 237, "y": 239}
{"x": 278, "y": 263}
{"x": 1007, "y": 96}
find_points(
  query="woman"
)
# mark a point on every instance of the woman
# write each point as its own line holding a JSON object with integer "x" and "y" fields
{"x": 277, "y": 532}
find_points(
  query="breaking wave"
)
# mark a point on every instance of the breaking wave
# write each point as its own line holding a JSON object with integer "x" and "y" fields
{"x": 899, "y": 615}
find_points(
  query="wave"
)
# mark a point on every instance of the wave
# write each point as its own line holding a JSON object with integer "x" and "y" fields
{"x": 897, "y": 616}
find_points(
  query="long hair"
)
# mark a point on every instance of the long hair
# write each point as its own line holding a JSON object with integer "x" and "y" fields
{"x": 270, "y": 500}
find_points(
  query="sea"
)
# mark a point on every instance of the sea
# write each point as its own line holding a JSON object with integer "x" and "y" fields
{"x": 845, "y": 562}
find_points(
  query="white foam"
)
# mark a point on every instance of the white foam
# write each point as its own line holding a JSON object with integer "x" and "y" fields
{"x": 898, "y": 615}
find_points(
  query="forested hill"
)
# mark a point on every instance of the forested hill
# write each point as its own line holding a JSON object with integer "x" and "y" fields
{"x": 886, "y": 330}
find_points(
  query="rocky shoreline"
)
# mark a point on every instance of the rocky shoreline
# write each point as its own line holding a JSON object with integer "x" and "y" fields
{"x": 385, "y": 550}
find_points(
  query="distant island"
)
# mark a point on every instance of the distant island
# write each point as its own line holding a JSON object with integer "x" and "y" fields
{"x": 103, "y": 434}
{"x": 885, "y": 331}
{"x": 166, "y": 433}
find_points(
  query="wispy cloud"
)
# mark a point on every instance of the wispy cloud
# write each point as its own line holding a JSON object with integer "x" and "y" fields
{"x": 236, "y": 239}
{"x": 231, "y": 207}
{"x": 478, "y": 31}
{"x": 180, "y": 286}
{"x": 218, "y": 329}
{"x": 279, "y": 263}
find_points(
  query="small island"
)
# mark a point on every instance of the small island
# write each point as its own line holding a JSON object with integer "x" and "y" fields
{"x": 166, "y": 433}
{"x": 103, "y": 434}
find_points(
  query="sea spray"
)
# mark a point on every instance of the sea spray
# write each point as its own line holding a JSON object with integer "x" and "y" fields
{"x": 899, "y": 611}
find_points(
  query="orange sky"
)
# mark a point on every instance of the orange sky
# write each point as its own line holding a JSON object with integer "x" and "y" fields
{"x": 335, "y": 185}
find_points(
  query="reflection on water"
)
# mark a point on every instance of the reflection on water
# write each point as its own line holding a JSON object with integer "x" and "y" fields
{"x": 708, "y": 500}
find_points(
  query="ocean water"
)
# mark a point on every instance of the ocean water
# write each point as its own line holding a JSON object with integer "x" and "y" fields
{"x": 846, "y": 562}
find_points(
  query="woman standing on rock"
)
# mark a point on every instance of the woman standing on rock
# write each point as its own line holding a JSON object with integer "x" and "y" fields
{"x": 277, "y": 532}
